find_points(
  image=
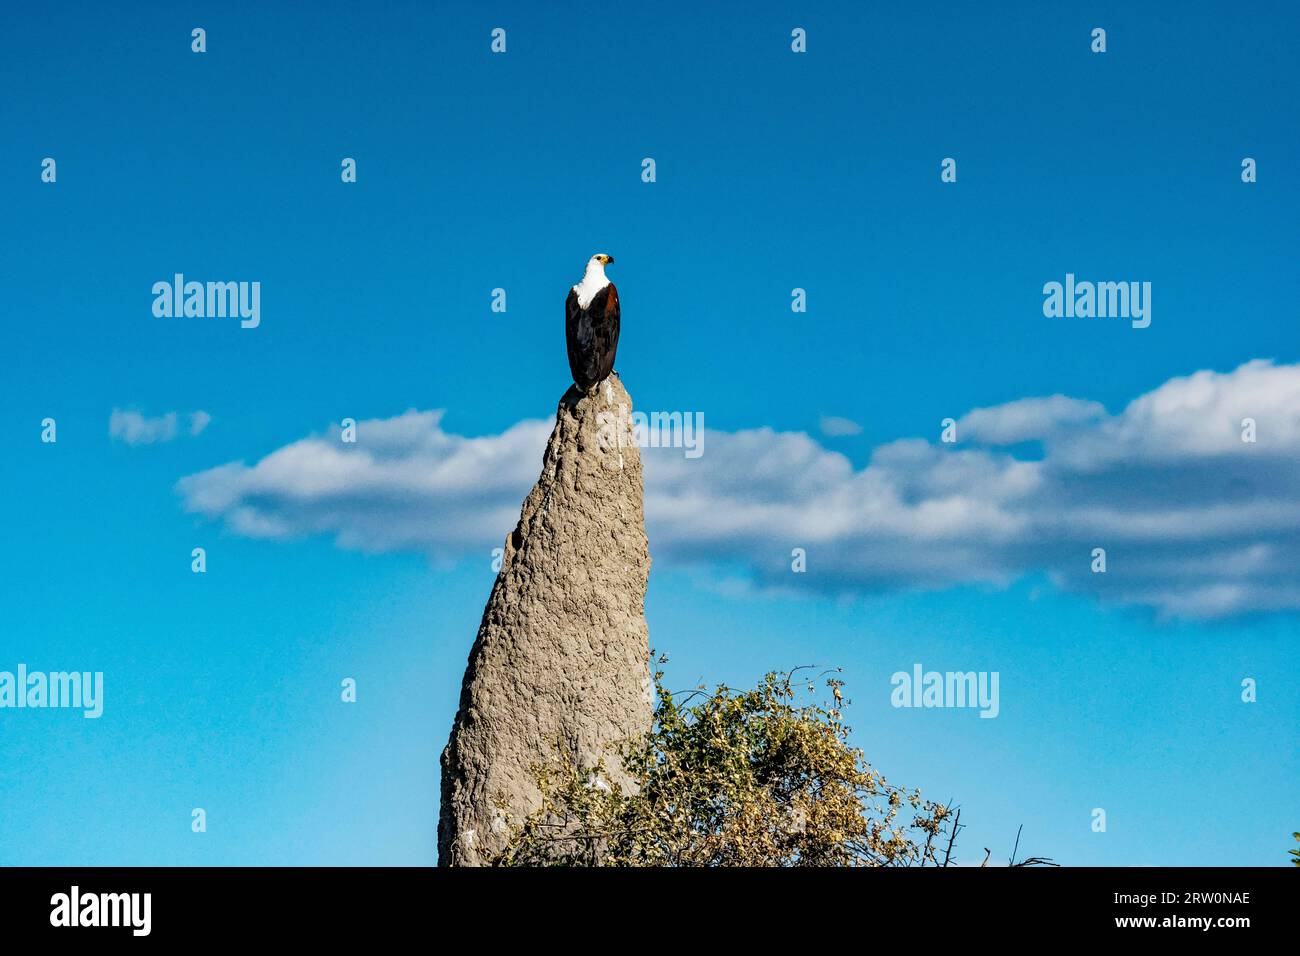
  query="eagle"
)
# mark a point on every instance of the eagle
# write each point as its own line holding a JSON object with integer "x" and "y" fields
{"x": 591, "y": 325}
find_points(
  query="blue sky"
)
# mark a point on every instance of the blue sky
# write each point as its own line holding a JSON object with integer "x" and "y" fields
{"x": 774, "y": 170}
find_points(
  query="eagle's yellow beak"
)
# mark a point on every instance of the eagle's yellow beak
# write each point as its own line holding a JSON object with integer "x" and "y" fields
{"x": 606, "y": 259}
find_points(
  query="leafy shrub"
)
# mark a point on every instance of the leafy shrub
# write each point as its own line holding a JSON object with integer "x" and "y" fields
{"x": 731, "y": 778}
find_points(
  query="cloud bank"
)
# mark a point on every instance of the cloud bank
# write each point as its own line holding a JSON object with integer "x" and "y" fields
{"x": 1196, "y": 522}
{"x": 405, "y": 484}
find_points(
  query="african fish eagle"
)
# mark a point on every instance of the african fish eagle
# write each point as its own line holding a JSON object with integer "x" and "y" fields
{"x": 591, "y": 325}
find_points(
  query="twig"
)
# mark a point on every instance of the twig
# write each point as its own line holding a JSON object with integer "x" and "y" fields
{"x": 952, "y": 837}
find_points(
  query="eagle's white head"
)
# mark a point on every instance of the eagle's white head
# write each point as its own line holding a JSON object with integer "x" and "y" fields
{"x": 593, "y": 280}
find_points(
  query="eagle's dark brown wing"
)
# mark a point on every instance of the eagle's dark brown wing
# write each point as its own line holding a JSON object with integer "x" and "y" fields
{"x": 591, "y": 336}
{"x": 606, "y": 328}
{"x": 576, "y": 337}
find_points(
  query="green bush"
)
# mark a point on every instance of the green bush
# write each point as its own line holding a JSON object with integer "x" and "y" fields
{"x": 732, "y": 778}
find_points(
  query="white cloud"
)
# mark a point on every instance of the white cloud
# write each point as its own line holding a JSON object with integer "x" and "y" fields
{"x": 1196, "y": 523}
{"x": 135, "y": 428}
{"x": 833, "y": 426}
{"x": 1200, "y": 416}
{"x": 405, "y": 484}
{"x": 1029, "y": 419}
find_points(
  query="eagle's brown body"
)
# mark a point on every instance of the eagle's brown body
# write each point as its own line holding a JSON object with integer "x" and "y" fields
{"x": 591, "y": 335}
